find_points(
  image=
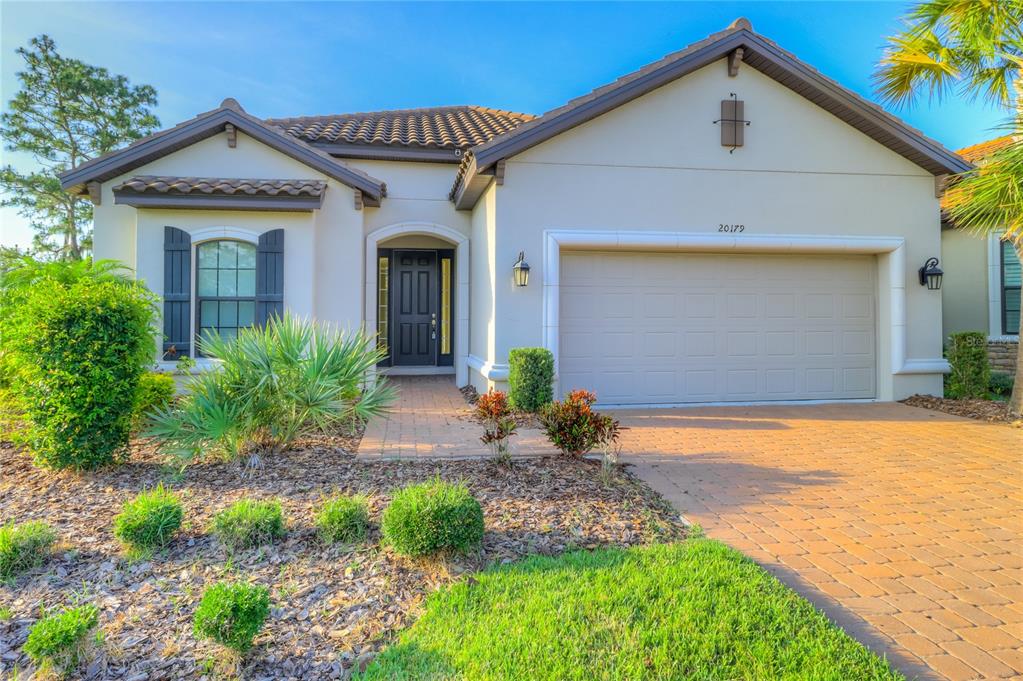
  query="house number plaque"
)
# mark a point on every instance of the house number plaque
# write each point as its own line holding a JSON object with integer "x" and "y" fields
{"x": 731, "y": 228}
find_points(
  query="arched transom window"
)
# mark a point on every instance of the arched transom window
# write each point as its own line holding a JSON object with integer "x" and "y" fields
{"x": 225, "y": 287}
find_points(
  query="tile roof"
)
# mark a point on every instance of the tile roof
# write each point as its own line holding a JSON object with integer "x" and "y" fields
{"x": 444, "y": 127}
{"x": 221, "y": 186}
{"x": 980, "y": 151}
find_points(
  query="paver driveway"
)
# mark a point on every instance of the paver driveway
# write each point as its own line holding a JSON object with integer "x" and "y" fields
{"x": 904, "y": 525}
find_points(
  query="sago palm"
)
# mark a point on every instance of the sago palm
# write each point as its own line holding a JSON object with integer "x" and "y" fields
{"x": 975, "y": 48}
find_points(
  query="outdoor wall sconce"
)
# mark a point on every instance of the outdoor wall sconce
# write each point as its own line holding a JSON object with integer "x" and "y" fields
{"x": 521, "y": 270}
{"x": 930, "y": 275}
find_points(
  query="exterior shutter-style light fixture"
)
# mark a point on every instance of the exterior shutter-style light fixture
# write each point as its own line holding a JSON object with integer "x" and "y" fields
{"x": 930, "y": 275}
{"x": 521, "y": 270}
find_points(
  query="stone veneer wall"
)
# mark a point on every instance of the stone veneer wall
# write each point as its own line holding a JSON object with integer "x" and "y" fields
{"x": 1002, "y": 355}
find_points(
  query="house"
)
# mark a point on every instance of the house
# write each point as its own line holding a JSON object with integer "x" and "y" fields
{"x": 726, "y": 224}
{"x": 981, "y": 290}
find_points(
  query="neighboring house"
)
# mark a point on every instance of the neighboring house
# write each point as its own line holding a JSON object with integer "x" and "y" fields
{"x": 981, "y": 290}
{"x": 725, "y": 224}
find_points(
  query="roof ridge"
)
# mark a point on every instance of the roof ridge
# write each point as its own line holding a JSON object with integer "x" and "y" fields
{"x": 410, "y": 110}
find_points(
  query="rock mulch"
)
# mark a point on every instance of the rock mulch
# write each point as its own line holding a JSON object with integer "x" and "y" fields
{"x": 982, "y": 410}
{"x": 334, "y": 607}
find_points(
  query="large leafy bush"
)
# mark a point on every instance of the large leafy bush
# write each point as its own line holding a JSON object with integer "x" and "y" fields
{"x": 530, "y": 378}
{"x": 970, "y": 368}
{"x": 273, "y": 385}
{"x": 232, "y": 614}
{"x": 433, "y": 516}
{"x": 74, "y": 350}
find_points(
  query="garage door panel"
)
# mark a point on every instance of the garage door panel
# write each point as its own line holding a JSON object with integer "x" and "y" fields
{"x": 667, "y": 328}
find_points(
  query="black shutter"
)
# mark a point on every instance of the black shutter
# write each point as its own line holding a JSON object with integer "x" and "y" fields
{"x": 270, "y": 276}
{"x": 177, "y": 275}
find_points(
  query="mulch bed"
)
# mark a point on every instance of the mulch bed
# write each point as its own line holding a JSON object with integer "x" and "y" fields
{"x": 982, "y": 410}
{"x": 334, "y": 607}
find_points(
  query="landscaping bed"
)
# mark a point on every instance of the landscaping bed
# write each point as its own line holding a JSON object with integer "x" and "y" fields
{"x": 994, "y": 411}
{"x": 333, "y": 606}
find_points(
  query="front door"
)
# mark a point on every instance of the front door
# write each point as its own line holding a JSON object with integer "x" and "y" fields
{"x": 415, "y": 308}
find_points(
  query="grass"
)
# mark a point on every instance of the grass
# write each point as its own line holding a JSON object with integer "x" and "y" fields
{"x": 343, "y": 519}
{"x": 149, "y": 520}
{"x": 23, "y": 547}
{"x": 693, "y": 610}
{"x": 248, "y": 523}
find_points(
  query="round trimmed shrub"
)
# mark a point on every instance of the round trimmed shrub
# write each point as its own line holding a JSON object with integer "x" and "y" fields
{"x": 155, "y": 392}
{"x": 76, "y": 352}
{"x": 249, "y": 523}
{"x": 232, "y": 614}
{"x": 63, "y": 639}
{"x": 149, "y": 520}
{"x": 433, "y": 516}
{"x": 24, "y": 546}
{"x": 343, "y": 519}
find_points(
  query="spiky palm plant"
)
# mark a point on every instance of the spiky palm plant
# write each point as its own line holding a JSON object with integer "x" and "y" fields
{"x": 275, "y": 384}
{"x": 974, "y": 47}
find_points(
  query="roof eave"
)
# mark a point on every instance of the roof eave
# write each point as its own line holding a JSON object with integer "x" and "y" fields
{"x": 207, "y": 125}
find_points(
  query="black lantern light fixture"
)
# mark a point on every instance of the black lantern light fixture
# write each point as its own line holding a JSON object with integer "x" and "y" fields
{"x": 521, "y": 270}
{"x": 930, "y": 275}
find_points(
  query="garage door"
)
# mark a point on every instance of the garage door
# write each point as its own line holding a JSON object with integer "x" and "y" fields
{"x": 660, "y": 328}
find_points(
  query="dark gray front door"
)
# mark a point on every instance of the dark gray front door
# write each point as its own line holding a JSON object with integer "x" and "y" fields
{"x": 415, "y": 308}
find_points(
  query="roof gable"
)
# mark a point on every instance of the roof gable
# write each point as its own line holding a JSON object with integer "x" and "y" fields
{"x": 206, "y": 125}
{"x": 741, "y": 43}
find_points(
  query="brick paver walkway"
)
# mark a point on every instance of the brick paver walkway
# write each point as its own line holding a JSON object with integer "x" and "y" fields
{"x": 904, "y": 525}
{"x": 431, "y": 421}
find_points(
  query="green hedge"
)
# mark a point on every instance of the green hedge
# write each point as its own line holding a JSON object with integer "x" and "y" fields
{"x": 77, "y": 353}
{"x": 155, "y": 392}
{"x": 970, "y": 369}
{"x": 530, "y": 378}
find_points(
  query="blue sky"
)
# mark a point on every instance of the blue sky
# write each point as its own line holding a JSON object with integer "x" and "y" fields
{"x": 281, "y": 59}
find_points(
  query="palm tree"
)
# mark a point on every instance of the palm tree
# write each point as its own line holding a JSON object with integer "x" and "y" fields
{"x": 975, "y": 48}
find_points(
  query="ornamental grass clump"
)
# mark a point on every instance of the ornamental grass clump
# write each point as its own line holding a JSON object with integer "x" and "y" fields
{"x": 249, "y": 523}
{"x": 274, "y": 384}
{"x": 232, "y": 614}
{"x": 149, "y": 520}
{"x": 23, "y": 547}
{"x": 343, "y": 519}
{"x": 62, "y": 641}
{"x": 575, "y": 428}
{"x": 431, "y": 517}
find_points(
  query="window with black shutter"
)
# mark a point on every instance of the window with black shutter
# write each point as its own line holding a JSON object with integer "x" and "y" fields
{"x": 177, "y": 270}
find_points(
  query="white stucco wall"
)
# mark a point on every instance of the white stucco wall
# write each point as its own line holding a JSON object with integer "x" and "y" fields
{"x": 964, "y": 287}
{"x": 483, "y": 271}
{"x": 657, "y": 164}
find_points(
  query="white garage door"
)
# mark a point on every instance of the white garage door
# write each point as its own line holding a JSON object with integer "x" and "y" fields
{"x": 660, "y": 328}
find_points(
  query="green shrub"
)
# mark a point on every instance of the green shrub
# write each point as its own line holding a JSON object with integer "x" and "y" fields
{"x": 970, "y": 370}
{"x": 24, "y": 546}
{"x": 76, "y": 352}
{"x": 1001, "y": 384}
{"x": 63, "y": 639}
{"x": 232, "y": 614}
{"x": 249, "y": 523}
{"x": 149, "y": 520}
{"x": 318, "y": 383}
{"x": 155, "y": 392}
{"x": 343, "y": 519}
{"x": 433, "y": 516}
{"x": 530, "y": 378}
{"x": 575, "y": 428}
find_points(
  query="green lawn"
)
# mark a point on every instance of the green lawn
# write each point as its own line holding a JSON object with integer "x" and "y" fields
{"x": 694, "y": 610}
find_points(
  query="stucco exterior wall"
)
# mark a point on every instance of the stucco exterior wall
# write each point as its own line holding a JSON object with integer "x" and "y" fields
{"x": 964, "y": 287}
{"x": 482, "y": 268}
{"x": 657, "y": 164}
